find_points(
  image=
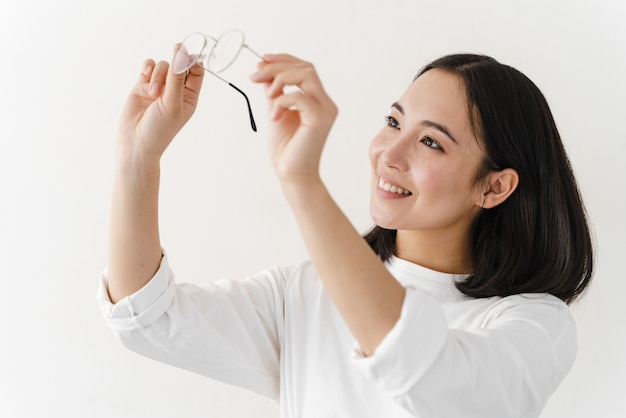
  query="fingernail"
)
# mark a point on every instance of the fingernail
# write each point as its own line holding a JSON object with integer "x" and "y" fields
{"x": 147, "y": 69}
{"x": 154, "y": 89}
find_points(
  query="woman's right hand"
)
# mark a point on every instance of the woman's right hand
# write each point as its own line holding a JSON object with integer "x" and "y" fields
{"x": 158, "y": 106}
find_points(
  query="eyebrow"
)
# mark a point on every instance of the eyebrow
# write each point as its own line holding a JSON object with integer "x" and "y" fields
{"x": 429, "y": 123}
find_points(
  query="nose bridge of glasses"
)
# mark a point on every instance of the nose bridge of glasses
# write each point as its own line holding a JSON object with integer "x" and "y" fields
{"x": 225, "y": 50}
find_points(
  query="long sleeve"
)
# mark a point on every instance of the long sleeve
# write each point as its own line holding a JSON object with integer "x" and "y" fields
{"x": 229, "y": 330}
{"x": 278, "y": 334}
{"x": 502, "y": 358}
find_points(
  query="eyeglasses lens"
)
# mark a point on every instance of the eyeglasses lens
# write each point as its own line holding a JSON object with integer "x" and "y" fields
{"x": 225, "y": 51}
{"x": 190, "y": 53}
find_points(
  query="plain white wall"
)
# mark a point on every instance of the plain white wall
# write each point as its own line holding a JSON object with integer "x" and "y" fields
{"x": 66, "y": 68}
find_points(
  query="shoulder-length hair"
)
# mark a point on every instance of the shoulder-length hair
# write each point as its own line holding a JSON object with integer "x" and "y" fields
{"x": 537, "y": 240}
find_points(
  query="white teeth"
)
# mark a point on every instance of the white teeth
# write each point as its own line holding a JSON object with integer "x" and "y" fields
{"x": 391, "y": 188}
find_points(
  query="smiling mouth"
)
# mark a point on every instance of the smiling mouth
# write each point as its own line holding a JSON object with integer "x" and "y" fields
{"x": 391, "y": 188}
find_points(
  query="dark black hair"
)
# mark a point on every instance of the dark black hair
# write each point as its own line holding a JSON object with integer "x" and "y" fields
{"x": 537, "y": 240}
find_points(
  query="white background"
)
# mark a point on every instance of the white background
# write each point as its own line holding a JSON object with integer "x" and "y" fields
{"x": 66, "y": 67}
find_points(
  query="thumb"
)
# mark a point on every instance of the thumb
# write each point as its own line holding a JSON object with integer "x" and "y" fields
{"x": 175, "y": 83}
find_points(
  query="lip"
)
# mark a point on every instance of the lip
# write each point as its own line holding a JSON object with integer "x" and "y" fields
{"x": 389, "y": 188}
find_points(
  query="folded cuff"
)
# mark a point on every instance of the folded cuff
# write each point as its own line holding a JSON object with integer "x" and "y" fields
{"x": 142, "y": 307}
{"x": 409, "y": 349}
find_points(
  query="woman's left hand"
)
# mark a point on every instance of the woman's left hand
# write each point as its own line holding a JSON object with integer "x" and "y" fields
{"x": 300, "y": 120}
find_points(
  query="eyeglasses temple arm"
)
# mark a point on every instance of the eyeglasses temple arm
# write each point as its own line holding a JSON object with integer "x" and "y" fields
{"x": 252, "y": 123}
{"x": 253, "y": 51}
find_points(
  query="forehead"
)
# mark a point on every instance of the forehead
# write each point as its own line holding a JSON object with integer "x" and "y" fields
{"x": 438, "y": 96}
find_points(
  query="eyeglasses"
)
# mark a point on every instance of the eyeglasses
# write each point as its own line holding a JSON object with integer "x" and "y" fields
{"x": 214, "y": 55}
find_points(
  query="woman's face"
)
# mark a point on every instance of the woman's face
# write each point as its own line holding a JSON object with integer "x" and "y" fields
{"x": 425, "y": 160}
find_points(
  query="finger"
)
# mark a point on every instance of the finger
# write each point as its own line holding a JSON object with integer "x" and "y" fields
{"x": 304, "y": 78}
{"x": 193, "y": 82}
{"x": 271, "y": 58}
{"x": 295, "y": 101}
{"x": 146, "y": 71}
{"x": 266, "y": 70}
{"x": 298, "y": 73}
{"x": 157, "y": 79}
{"x": 175, "y": 84}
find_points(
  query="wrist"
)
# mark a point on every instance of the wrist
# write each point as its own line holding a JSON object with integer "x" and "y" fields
{"x": 303, "y": 190}
{"x": 130, "y": 162}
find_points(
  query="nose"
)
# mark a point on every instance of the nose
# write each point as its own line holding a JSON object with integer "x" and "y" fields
{"x": 395, "y": 153}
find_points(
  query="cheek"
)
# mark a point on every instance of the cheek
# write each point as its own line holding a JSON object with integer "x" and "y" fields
{"x": 429, "y": 178}
{"x": 438, "y": 181}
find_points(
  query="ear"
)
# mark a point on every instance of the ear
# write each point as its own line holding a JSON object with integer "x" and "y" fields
{"x": 500, "y": 186}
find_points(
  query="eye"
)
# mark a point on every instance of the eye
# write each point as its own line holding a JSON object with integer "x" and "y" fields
{"x": 431, "y": 143}
{"x": 392, "y": 122}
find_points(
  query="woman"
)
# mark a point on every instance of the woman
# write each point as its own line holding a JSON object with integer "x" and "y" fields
{"x": 460, "y": 310}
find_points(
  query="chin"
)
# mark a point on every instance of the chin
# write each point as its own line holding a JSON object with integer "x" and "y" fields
{"x": 381, "y": 221}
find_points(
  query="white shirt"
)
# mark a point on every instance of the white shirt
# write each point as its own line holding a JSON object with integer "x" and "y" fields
{"x": 278, "y": 334}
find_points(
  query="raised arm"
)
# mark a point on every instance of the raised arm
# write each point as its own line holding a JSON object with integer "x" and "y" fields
{"x": 157, "y": 107}
{"x": 365, "y": 293}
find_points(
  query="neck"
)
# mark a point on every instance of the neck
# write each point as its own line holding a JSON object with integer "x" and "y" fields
{"x": 434, "y": 250}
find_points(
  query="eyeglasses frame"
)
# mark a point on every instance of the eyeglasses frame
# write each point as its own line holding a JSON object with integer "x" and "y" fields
{"x": 198, "y": 61}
